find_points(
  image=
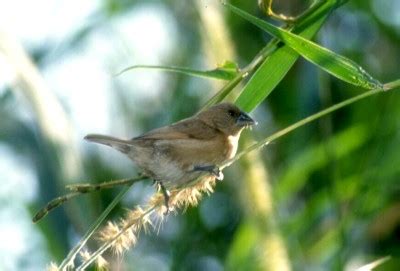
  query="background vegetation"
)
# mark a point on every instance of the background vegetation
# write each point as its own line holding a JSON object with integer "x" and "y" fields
{"x": 324, "y": 197}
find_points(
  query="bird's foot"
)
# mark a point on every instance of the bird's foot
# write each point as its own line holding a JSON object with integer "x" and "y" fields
{"x": 218, "y": 174}
{"x": 214, "y": 170}
{"x": 166, "y": 195}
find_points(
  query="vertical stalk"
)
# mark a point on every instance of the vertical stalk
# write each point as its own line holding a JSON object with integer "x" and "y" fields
{"x": 256, "y": 193}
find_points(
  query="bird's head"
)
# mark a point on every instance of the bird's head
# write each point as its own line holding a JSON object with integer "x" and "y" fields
{"x": 227, "y": 118}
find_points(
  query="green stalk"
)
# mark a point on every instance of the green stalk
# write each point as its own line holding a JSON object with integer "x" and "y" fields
{"x": 108, "y": 244}
{"x": 256, "y": 146}
{"x": 69, "y": 260}
{"x": 392, "y": 85}
{"x": 309, "y": 119}
{"x": 302, "y": 21}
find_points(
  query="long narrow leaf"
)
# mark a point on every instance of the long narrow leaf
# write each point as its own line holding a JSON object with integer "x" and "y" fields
{"x": 276, "y": 66}
{"x": 270, "y": 73}
{"x": 374, "y": 264}
{"x": 258, "y": 89}
{"x": 227, "y": 71}
{"x": 337, "y": 65}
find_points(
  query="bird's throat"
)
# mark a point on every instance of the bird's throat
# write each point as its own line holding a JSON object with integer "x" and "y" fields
{"x": 232, "y": 142}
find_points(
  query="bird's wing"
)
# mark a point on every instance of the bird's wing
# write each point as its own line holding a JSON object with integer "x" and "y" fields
{"x": 187, "y": 143}
{"x": 191, "y": 128}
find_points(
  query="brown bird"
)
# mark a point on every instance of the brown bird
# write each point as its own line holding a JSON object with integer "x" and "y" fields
{"x": 177, "y": 154}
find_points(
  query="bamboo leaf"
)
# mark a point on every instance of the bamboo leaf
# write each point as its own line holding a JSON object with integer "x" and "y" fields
{"x": 258, "y": 89}
{"x": 337, "y": 65}
{"x": 276, "y": 66}
{"x": 271, "y": 72}
{"x": 226, "y": 71}
{"x": 266, "y": 78}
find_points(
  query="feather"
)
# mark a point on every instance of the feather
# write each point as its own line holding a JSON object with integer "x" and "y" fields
{"x": 191, "y": 128}
{"x": 122, "y": 145}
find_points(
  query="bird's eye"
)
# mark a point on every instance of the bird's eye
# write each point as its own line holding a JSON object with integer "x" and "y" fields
{"x": 231, "y": 113}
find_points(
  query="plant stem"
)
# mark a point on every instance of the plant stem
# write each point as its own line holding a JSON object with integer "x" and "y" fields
{"x": 255, "y": 146}
{"x": 79, "y": 189}
{"x": 87, "y": 188}
{"x": 68, "y": 261}
{"x": 304, "y": 19}
{"x": 306, "y": 120}
{"x": 109, "y": 243}
{"x": 392, "y": 85}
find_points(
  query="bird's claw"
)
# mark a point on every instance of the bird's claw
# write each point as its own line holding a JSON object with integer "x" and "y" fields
{"x": 214, "y": 170}
{"x": 217, "y": 173}
{"x": 166, "y": 195}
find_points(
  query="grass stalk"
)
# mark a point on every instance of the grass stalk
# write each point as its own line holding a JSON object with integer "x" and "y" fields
{"x": 256, "y": 146}
{"x": 69, "y": 260}
{"x": 108, "y": 244}
{"x": 302, "y": 122}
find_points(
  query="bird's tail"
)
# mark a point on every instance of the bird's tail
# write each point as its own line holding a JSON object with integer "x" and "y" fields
{"x": 121, "y": 145}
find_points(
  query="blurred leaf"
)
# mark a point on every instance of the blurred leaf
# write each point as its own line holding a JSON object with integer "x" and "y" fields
{"x": 325, "y": 243}
{"x": 374, "y": 264}
{"x": 241, "y": 254}
{"x": 306, "y": 216}
{"x": 346, "y": 188}
{"x": 337, "y": 65}
{"x": 227, "y": 71}
{"x": 316, "y": 157}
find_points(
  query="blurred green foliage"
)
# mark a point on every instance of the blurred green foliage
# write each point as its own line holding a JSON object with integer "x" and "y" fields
{"x": 335, "y": 182}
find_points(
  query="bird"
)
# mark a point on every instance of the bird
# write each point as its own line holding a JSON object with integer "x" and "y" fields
{"x": 177, "y": 154}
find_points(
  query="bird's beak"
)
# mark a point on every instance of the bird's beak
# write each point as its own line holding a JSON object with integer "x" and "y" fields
{"x": 245, "y": 120}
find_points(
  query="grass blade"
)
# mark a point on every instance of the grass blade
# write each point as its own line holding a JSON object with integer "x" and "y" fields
{"x": 337, "y": 65}
{"x": 251, "y": 95}
{"x": 271, "y": 72}
{"x": 227, "y": 71}
{"x": 280, "y": 133}
{"x": 278, "y": 63}
{"x": 69, "y": 260}
{"x": 374, "y": 264}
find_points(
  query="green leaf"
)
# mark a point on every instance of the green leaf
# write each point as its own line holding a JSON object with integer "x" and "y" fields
{"x": 254, "y": 93}
{"x": 242, "y": 252}
{"x": 227, "y": 71}
{"x": 392, "y": 85}
{"x": 374, "y": 264}
{"x": 276, "y": 66}
{"x": 337, "y": 65}
{"x": 315, "y": 157}
{"x": 225, "y": 91}
{"x": 270, "y": 73}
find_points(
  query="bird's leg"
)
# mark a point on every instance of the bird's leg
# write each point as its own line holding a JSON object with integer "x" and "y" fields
{"x": 165, "y": 193}
{"x": 213, "y": 169}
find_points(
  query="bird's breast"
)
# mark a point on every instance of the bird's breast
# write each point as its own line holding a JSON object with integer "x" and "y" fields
{"x": 173, "y": 161}
{"x": 231, "y": 146}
